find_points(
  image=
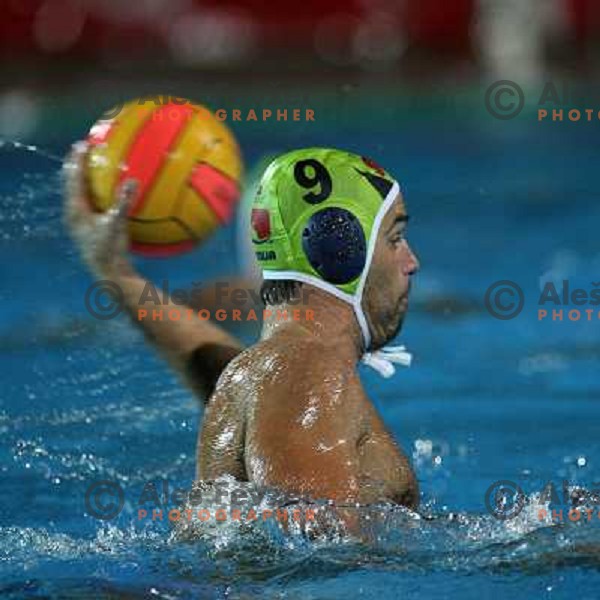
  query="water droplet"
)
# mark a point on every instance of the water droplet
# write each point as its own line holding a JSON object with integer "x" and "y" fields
{"x": 581, "y": 461}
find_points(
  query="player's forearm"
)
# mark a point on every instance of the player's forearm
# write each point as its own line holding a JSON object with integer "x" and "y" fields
{"x": 197, "y": 350}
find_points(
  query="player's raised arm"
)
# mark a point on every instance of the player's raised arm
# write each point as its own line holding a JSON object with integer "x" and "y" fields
{"x": 198, "y": 350}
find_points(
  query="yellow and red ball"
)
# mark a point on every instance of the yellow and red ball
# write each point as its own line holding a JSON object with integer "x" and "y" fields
{"x": 187, "y": 165}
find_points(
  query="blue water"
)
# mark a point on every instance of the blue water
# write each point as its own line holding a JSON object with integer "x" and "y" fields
{"x": 485, "y": 400}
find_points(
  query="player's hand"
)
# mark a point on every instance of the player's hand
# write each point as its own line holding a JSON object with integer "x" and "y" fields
{"x": 102, "y": 237}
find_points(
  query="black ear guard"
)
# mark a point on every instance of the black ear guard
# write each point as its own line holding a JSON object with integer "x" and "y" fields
{"x": 335, "y": 245}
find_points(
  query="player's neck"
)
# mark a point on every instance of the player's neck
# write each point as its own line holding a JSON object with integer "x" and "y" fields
{"x": 321, "y": 315}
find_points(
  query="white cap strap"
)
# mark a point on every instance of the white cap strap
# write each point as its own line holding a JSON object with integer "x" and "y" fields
{"x": 380, "y": 360}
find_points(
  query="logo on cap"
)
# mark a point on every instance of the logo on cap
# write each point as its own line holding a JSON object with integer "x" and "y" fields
{"x": 261, "y": 224}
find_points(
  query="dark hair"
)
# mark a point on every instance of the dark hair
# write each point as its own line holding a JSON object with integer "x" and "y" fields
{"x": 277, "y": 291}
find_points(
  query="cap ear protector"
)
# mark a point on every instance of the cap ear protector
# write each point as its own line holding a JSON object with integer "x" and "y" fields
{"x": 334, "y": 243}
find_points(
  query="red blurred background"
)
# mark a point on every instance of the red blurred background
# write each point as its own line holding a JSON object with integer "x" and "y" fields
{"x": 208, "y": 32}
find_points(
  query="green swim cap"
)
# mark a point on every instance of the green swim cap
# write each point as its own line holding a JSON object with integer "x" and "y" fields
{"x": 315, "y": 219}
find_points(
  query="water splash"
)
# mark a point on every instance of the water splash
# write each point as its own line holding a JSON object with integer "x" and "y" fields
{"x": 16, "y": 145}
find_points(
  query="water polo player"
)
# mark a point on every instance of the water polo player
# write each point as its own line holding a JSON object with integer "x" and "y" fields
{"x": 290, "y": 412}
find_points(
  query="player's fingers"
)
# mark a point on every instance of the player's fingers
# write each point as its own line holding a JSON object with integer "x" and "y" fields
{"x": 73, "y": 167}
{"x": 77, "y": 206}
{"x": 117, "y": 216}
{"x": 125, "y": 195}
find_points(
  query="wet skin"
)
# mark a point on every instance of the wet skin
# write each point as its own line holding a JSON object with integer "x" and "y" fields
{"x": 291, "y": 413}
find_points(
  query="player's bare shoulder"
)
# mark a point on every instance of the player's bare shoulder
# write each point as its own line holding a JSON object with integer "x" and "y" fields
{"x": 287, "y": 359}
{"x": 288, "y": 365}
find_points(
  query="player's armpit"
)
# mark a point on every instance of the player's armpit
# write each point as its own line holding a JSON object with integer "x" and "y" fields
{"x": 205, "y": 365}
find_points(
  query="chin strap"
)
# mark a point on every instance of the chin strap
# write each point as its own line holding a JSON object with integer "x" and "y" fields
{"x": 382, "y": 360}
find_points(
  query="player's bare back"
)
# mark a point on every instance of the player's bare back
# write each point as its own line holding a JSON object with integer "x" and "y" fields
{"x": 290, "y": 414}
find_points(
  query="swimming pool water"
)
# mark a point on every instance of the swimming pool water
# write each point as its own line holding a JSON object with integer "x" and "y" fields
{"x": 485, "y": 400}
